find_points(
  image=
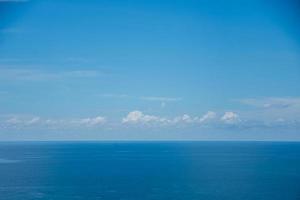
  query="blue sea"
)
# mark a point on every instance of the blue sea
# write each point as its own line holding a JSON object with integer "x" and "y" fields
{"x": 150, "y": 170}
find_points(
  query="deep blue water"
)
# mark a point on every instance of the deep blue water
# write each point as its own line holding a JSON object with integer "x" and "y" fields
{"x": 150, "y": 170}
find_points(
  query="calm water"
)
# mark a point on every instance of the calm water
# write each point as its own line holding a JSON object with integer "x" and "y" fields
{"x": 144, "y": 171}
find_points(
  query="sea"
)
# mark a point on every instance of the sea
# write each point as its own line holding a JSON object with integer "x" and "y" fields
{"x": 158, "y": 170}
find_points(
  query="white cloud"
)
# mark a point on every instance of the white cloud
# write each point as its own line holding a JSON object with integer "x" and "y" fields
{"x": 92, "y": 121}
{"x": 121, "y": 96}
{"x": 183, "y": 119}
{"x": 13, "y": 120}
{"x": 34, "y": 120}
{"x": 270, "y": 109}
{"x": 38, "y": 122}
{"x": 136, "y": 117}
{"x": 22, "y": 121}
{"x": 188, "y": 119}
{"x": 230, "y": 118}
{"x": 81, "y": 73}
{"x": 78, "y": 60}
{"x": 44, "y": 75}
{"x": 162, "y": 99}
{"x": 139, "y": 117}
{"x": 272, "y": 102}
{"x": 208, "y": 116}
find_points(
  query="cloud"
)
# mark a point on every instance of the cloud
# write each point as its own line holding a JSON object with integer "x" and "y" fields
{"x": 22, "y": 122}
{"x": 139, "y": 117}
{"x": 121, "y": 96}
{"x": 272, "y": 102}
{"x": 13, "y": 121}
{"x": 93, "y": 121}
{"x": 78, "y": 60}
{"x": 185, "y": 118}
{"x": 145, "y": 98}
{"x": 81, "y": 73}
{"x": 34, "y": 120}
{"x": 43, "y": 75}
{"x": 208, "y": 116}
{"x": 161, "y": 99}
{"x": 270, "y": 109}
{"x": 230, "y": 118}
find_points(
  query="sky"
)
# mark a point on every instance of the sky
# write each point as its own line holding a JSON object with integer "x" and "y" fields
{"x": 150, "y": 70}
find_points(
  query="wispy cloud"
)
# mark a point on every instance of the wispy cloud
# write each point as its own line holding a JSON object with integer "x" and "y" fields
{"x": 78, "y": 60}
{"x": 118, "y": 96}
{"x": 272, "y": 109}
{"x": 208, "y": 116}
{"x": 272, "y": 102}
{"x": 145, "y": 98}
{"x": 43, "y": 75}
{"x": 93, "y": 121}
{"x": 19, "y": 61}
{"x": 32, "y": 122}
{"x": 161, "y": 99}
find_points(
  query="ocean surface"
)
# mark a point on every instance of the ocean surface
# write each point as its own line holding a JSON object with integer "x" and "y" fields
{"x": 150, "y": 170}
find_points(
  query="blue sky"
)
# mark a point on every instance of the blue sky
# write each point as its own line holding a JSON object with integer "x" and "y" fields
{"x": 211, "y": 70}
